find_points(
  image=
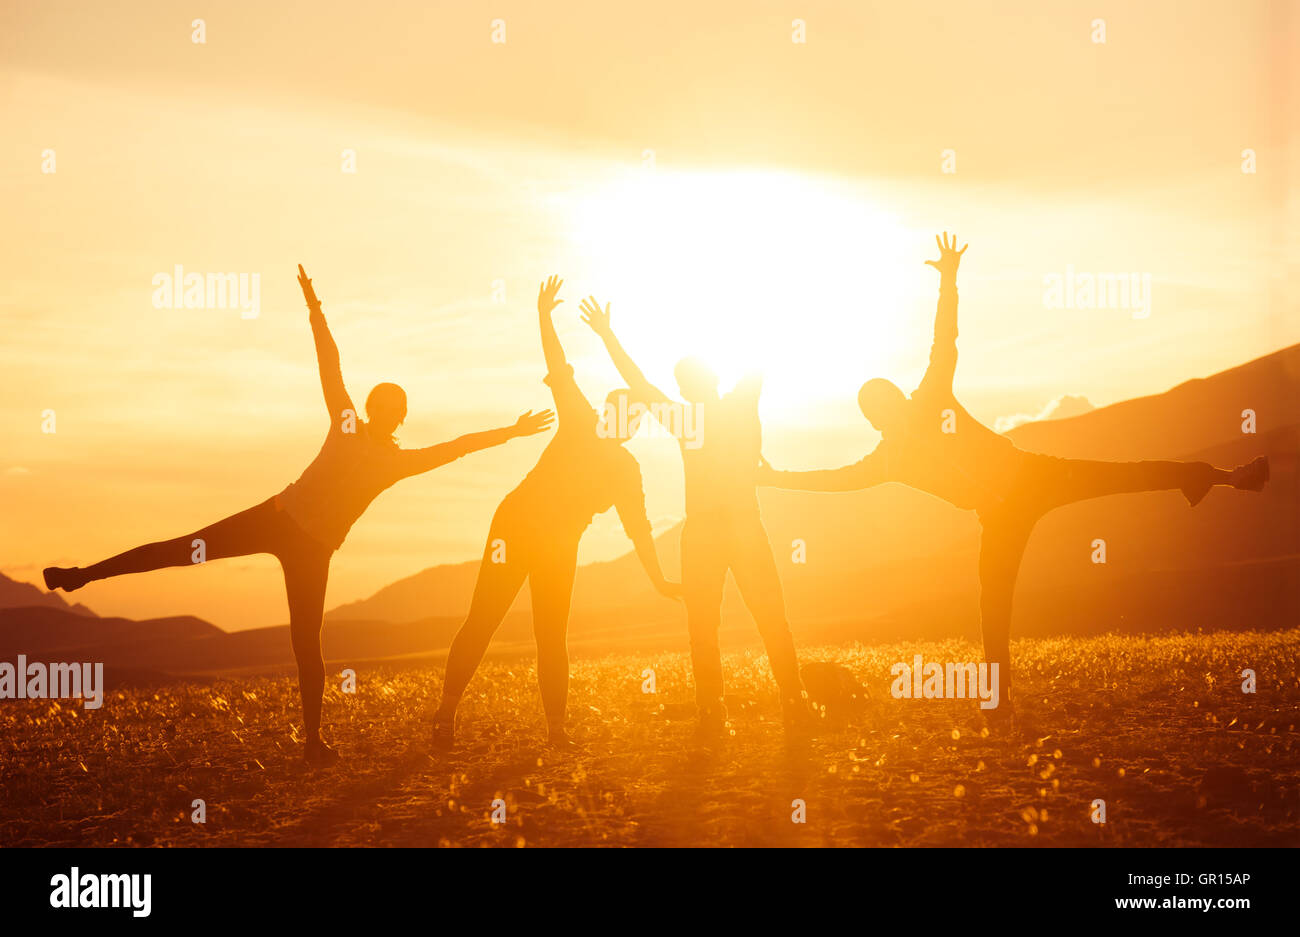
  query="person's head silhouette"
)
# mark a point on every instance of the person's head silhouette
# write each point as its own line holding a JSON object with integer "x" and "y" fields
{"x": 883, "y": 404}
{"x": 696, "y": 380}
{"x": 386, "y": 408}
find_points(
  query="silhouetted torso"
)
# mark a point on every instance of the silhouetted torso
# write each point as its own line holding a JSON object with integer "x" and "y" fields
{"x": 579, "y": 474}
{"x": 970, "y": 466}
{"x": 348, "y": 473}
{"x": 722, "y": 472}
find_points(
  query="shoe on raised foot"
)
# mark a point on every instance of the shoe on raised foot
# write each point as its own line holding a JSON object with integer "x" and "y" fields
{"x": 69, "y": 579}
{"x": 1252, "y": 476}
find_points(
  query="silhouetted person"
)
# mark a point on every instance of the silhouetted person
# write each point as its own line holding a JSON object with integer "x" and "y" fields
{"x": 304, "y": 524}
{"x": 930, "y": 442}
{"x": 720, "y": 440}
{"x": 535, "y": 532}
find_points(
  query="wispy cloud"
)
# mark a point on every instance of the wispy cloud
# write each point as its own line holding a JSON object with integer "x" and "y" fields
{"x": 1067, "y": 405}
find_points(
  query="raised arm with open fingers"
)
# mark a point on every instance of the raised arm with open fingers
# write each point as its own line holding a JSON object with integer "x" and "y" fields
{"x": 546, "y": 302}
{"x": 327, "y": 355}
{"x": 598, "y": 319}
{"x": 943, "y": 353}
{"x": 571, "y": 404}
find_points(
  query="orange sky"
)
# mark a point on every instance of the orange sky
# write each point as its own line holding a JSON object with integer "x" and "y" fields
{"x": 794, "y": 192}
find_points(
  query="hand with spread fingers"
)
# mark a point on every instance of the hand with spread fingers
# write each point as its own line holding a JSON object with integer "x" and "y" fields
{"x": 546, "y": 300}
{"x": 595, "y": 317}
{"x": 530, "y": 423}
{"x": 949, "y": 256}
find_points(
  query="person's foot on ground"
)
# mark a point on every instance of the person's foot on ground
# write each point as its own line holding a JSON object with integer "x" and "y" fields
{"x": 444, "y": 733}
{"x": 711, "y": 728}
{"x": 319, "y": 755}
{"x": 69, "y": 579}
{"x": 798, "y": 718}
{"x": 1252, "y": 476}
{"x": 557, "y": 739}
{"x": 1001, "y": 720}
{"x": 1027, "y": 725}
{"x": 1200, "y": 486}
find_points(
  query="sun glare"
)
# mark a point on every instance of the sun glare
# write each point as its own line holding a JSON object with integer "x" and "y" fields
{"x": 796, "y": 276}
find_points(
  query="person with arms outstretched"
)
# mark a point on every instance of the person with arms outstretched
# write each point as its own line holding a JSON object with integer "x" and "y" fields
{"x": 930, "y": 442}
{"x": 723, "y": 529}
{"x": 534, "y": 535}
{"x": 305, "y": 523}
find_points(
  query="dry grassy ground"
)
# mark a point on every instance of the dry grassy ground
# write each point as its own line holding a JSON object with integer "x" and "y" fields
{"x": 1157, "y": 727}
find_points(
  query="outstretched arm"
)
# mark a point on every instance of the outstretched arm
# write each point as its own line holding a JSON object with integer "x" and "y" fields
{"x": 327, "y": 355}
{"x": 598, "y": 319}
{"x": 943, "y": 354}
{"x": 867, "y": 472}
{"x": 416, "y": 461}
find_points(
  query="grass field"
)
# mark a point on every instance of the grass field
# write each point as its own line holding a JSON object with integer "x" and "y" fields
{"x": 1157, "y": 727}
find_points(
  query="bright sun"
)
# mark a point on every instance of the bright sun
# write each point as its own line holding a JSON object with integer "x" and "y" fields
{"x": 795, "y": 276}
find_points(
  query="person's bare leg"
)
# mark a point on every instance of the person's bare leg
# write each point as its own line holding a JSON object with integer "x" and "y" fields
{"x": 552, "y": 591}
{"x": 1002, "y": 545}
{"x": 759, "y": 582}
{"x": 240, "y": 534}
{"x": 306, "y": 573}
{"x": 704, "y": 573}
{"x": 494, "y": 591}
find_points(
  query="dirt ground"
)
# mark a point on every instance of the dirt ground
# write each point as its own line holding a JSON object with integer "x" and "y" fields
{"x": 1156, "y": 727}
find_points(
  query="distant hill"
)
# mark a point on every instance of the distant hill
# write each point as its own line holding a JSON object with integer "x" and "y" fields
{"x": 40, "y": 630}
{"x": 15, "y": 594}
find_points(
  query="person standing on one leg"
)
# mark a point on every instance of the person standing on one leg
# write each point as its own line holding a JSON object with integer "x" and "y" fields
{"x": 305, "y": 523}
{"x": 930, "y": 442}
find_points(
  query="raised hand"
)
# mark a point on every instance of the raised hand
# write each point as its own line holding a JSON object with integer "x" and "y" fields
{"x": 594, "y": 317}
{"x": 308, "y": 293}
{"x": 546, "y": 300}
{"x": 949, "y": 256}
{"x": 530, "y": 423}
